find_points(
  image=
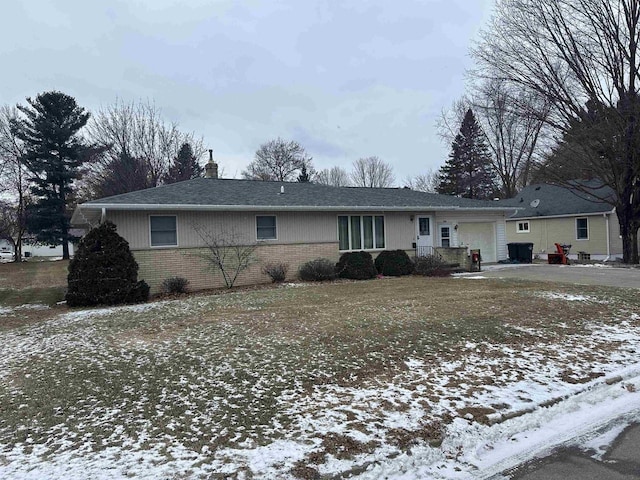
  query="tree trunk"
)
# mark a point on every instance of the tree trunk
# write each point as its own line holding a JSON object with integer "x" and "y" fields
{"x": 65, "y": 250}
{"x": 17, "y": 249}
{"x": 629, "y": 234}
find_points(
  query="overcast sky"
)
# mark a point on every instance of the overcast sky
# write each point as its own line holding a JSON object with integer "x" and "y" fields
{"x": 346, "y": 79}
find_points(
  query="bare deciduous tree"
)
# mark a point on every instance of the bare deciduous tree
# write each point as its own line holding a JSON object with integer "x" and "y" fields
{"x": 424, "y": 182}
{"x": 278, "y": 160}
{"x": 334, "y": 176}
{"x": 372, "y": 172}
{"x": 138, "y": 131}
{"x": 226, "y": 253}
{"x": 13, "y": 181}
{"x": 512, "y": 121}
{"x": 571, "y": 52}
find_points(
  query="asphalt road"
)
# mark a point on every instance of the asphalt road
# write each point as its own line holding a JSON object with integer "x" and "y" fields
{"x": 607, "y": 276}
{"x": 621, "y": 462}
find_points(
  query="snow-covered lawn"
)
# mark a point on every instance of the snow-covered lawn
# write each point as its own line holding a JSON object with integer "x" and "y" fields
{"x": 390, "y": 377}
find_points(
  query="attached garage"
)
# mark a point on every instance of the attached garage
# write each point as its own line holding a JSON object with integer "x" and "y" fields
{"x": 479, "y": 235}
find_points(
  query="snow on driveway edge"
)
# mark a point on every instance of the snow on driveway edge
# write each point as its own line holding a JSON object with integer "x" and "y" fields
{"x": 472, "y": 450}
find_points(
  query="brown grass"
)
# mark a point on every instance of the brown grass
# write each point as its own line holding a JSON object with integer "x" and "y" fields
{"x": 278, "y": 339}
{"x": 33, "y": 274}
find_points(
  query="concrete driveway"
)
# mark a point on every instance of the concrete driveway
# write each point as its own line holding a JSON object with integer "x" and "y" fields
{"x": 578, "y": 274}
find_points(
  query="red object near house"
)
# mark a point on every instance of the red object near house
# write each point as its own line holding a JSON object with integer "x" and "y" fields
{"x": 561, "y": 257}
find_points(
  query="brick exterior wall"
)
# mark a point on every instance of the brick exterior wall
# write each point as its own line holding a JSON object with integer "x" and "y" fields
{"x": 455, "y": 255}
{"x": 158, "y": 264}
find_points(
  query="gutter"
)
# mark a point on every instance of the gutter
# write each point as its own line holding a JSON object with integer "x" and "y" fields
{"x": 606, "y": 219}
{"x": 566, "y": 215}
{"x": 310, "y": 208}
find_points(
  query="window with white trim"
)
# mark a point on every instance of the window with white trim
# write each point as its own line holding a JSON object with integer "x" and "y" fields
{"x": 164, "y": 231}
{"x": 523, "y": 227}
{"x": 361, "y": 232}
{"x": 582, "y": 228}
{"x": 266, "y": 227}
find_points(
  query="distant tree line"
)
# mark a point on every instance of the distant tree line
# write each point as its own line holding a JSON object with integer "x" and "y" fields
{"x": 287, "y": 161}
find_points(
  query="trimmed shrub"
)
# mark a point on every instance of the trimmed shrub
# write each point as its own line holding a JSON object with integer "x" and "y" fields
{"x": 356, "y": 266}
{"x": 277, "y": 271}
{"x": 431, "y": 266}
{"x": 103, "y": 271}
{"x": 174, "y": 285}
{"x": 394, "y": 263}
{"x": 318, "y": 270}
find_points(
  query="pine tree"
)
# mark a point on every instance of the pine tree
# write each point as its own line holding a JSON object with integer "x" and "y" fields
{"x": 54, "y": 153}
{"x": 468, "y": 173}
{"x": 304, "y": 176}
{"x": 104, "y": 271}
{"x": 184, "y": 167}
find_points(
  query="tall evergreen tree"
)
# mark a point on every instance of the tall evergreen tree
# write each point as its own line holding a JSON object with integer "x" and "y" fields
{"x": 467, "y": 173}
{"x": 53, "y": 154}
{"x": 184, "y": 167}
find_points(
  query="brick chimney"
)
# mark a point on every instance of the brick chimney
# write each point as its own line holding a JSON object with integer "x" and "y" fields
{"x": 211, "y": 168}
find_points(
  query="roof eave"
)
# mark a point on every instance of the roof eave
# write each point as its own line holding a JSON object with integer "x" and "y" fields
{"x": 565, "y": 215}
{"x": 299, "y": 208}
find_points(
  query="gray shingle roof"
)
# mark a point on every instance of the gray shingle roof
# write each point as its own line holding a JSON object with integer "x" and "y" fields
{"x": 556, "y": 201}
{"x": 247, "y": 193}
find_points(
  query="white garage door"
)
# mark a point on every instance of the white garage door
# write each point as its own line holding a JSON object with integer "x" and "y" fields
{"x": 479, "y": 235}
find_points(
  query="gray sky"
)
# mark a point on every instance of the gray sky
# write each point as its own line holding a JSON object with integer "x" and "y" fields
{"x": 346, "y": 79}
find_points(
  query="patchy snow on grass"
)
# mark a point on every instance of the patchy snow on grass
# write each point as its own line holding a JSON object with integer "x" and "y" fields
{"x": 480, "y": 451}
{"x": 569, "y": 297}
{"x": 219, "y": 386}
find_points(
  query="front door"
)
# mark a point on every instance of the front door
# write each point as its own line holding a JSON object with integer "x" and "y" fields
{"x": 424, "y": 238}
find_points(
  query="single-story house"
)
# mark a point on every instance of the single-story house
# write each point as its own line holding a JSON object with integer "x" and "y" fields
{"x": 290, "y": 223}
{"x": 550, "y": 214}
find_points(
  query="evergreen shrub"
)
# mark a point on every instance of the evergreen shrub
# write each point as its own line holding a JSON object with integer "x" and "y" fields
{"x": 318, "y": 270}
{"x": 356, "y": 266}
{"x": 394, "y": 263}
{"x": 103, "y": 271}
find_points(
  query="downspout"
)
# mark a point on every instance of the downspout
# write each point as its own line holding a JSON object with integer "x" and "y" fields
{"x": 103, "y": 215}
{"x": 606, "y": 219}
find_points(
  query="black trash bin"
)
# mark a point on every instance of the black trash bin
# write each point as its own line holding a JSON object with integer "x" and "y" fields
{"x": 520, "y": 252}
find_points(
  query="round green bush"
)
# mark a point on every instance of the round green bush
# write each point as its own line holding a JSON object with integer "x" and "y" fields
{"x": 356, "y": 266}
{"x": 103, "y": 271}
{"x": 318, "y": 270}
{"x": 394, "y": 263}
